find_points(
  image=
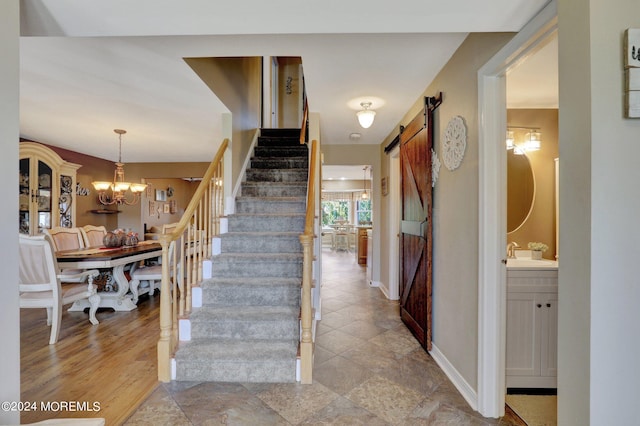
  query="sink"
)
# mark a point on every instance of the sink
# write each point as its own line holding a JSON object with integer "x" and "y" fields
{"x": 530, "y": 263}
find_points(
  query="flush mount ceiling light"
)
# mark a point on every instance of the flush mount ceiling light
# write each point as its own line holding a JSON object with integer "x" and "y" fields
{"x": 366, "y": 115}
{"x": 119, "y": 187}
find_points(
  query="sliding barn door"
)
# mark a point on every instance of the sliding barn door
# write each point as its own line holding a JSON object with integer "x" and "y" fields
{"x": 416, "y": 230}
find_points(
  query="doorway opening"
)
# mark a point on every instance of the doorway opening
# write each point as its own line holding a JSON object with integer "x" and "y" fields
{"x": 492, "y": 227}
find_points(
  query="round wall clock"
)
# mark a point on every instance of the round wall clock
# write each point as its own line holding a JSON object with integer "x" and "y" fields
{"x": 454, "y": 143}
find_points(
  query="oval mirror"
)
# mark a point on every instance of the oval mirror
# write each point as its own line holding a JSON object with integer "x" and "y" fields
{"x": 520, "y": 190}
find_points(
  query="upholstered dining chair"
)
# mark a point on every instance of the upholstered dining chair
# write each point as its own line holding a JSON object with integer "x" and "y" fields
{"x": 65, "y": 238}
{"x": 147, "y": 279}
{"x": 93, "y": 236}
{"x": 41, "y": 285}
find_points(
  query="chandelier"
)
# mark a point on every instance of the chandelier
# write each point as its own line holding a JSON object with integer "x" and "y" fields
{"x": 119, "y": 187}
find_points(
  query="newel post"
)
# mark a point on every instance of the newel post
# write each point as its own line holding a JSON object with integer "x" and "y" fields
{"x": 164, "y": 344}
{"x": 306, "y": 342}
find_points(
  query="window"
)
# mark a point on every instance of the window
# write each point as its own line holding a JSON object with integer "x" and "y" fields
{"x": 363, "y": 212}
{"x": 333, "y": 211}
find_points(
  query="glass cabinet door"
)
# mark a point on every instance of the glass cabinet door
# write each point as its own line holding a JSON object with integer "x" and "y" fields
{"x": 44, "y": 192}
{"x": 25, "y": 197}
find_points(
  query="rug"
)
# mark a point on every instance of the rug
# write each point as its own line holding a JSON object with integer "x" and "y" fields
{"x": 535, "y": 410}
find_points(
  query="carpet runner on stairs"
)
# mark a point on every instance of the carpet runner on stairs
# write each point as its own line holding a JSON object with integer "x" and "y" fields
{"x": 248, "y": 327}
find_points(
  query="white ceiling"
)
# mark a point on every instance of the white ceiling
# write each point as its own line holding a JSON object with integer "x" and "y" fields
{"x": 90, "y": 66}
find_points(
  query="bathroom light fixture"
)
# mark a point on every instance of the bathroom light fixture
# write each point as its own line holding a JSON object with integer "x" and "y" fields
{"x": 118, "y": 187}
{"x": 531, "y": 141}
{"x": 365, "y": 196}
{"x": 366, "y": 115}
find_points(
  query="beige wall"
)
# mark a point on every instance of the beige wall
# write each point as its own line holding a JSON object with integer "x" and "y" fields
{"x": 599, "y": 174}
{"x": 237, "y": 82}
{"x": 455, "y": 208}
{"x": 540, "y": 225}
{"x": 183, "y": 190}
{"x": 289, "y": 96}
{"x": 9, "y": 132}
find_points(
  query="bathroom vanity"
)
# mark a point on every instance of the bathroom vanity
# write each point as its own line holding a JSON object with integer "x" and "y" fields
{"x": 532, "y": 323}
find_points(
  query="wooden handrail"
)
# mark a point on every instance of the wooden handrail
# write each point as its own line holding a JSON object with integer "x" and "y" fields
{"x": 303, "y": 125}
{"x": 182, "y": 267}
{"x": 306, "y": 239}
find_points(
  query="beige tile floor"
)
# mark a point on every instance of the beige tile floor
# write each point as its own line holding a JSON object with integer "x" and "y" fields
{"x": 369, "y": 370}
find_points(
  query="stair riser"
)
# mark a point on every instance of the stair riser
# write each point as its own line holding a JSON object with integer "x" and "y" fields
{"x": 280, "y": 151}
{"x": 271, "y": 141}
{"x": 241, "y": 223}
{"x": 281, "y": 133}
{"x": 257, "y": 296}
{"x": 261, "y": 205}
{"x": 277, "y": 175}
{"x": 283, "y": 163}
{"x": 251, "y": 244}
{"x": 233, "y": 269}
{"x": 237, "y": 372}
{"x": 273, "y": 190}
{"x": 229, "y": 329}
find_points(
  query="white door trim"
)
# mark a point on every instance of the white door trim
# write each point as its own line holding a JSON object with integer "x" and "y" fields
{"x": 394, "y": 224}
{"x": 492, "y": 112}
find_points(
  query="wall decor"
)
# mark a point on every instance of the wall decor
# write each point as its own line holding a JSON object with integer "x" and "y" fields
{"x": 167, "y": 208}
{"x": 161, "y": 195}
{"x": 173, "y": 206}
{"x": 454, "y": 143}
{"x": 632, "y": 72}
{"x": 149, "y": 191}
{"x": 435, "y": 167}
{"x": 384, "y": 186}
{"x": 82, "y": 192}
{"x": 152, "y": 208}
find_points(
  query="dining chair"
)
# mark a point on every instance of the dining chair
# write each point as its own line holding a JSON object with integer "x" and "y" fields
{"x": 65, "y": 238}
{"x": 93, "y": 236}
{"x": 149, "y": 276}
{"x": 41, "y": 285}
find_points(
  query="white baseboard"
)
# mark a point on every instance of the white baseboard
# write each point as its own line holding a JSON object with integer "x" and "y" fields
{"x": 224, "y": 225}
{"x": 184, "y": 330}
{"x": 196, "y": 297}
{"x": 469, "y": 394}
{"x": 374, "y": 283}
{"x": 174, "y": 368}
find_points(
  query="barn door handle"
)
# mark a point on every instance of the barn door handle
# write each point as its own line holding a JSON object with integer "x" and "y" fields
{"x": 539, "y": 305}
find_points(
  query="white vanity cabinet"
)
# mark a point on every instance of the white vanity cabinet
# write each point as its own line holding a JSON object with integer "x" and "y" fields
{"x": 532, "y": 327}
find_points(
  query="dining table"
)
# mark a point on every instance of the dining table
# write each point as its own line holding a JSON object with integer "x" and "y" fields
{"x": 113, "y": 263}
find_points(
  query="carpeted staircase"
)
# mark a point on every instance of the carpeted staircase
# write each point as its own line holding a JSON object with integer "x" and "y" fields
{"x": 248, "y": 327}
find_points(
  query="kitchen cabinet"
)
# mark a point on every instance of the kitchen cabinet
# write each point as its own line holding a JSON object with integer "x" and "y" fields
{"x": 46, "y": 188}
{"x": 361, "y": 245}
{"x": 532, "y": 328}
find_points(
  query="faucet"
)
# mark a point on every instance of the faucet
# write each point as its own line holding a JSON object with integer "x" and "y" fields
{"x": 511, "y": 250}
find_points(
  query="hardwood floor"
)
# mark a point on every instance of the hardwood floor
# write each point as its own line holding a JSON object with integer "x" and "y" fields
{"x": 111, "y": 366}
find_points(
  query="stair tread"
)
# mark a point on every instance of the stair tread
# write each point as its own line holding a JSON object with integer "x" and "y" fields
{"x": 283, "y": 234}
{"x": 251, "y": 281}
{"x": 253, "y": 256}
{"x": 270, "y": 183}
{"x": 247, "y": 313}
{"x": 254, "y": 198}
{"x": 212, "y": 349}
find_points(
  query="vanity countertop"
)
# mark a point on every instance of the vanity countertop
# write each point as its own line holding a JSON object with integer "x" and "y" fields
{"x": 528, "y": 263}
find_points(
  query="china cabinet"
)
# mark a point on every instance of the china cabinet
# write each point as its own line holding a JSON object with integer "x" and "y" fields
{"x": 46, "y": 189}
